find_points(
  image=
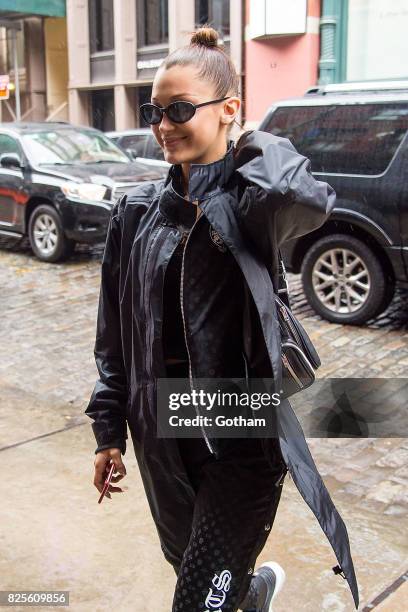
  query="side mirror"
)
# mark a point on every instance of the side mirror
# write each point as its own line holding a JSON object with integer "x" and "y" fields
{"x": 10, "y": 160}
{"x": 131, "y": 153}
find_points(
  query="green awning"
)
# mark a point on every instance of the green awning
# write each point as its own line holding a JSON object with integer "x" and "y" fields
{"x": 23, "y": 8}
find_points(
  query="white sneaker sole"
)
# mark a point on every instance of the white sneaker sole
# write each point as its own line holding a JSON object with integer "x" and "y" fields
{"x": 280, "y": 579}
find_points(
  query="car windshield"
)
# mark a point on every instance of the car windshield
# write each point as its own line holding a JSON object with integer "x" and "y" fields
{"x": 71, "y": 146}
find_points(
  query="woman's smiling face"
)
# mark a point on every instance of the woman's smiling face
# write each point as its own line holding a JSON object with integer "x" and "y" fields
{"x": 202, "y": 139}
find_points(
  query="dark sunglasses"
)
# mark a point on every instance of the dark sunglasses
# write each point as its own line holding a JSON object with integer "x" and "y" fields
{"x": 179, "y": 111}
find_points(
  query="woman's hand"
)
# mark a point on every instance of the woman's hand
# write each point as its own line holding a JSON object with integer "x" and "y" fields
{"x": 101, "y": 463}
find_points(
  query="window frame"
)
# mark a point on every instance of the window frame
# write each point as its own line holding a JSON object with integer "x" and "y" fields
{"x": 93, "y": 7}
{"x": 145, "y": 137}
{"x": 226, "y": 37}
{"x": 142, "y": 30}
{"x": 336, "y": 106}
{"x": 19, "y": 151}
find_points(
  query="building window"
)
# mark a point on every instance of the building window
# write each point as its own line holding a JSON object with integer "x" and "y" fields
{"x": 101, "y": 25}
{"x": 6, "y": 50}
{"x": 103, "y": 110}
{"x": 7, "y": 67}
{"x": 216, "y": 13}
{"x": 377, "y": 42}
{"x": 152, "y": 22}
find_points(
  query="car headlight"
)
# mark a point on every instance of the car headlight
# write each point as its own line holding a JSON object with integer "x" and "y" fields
{"x": 84, "y": 191}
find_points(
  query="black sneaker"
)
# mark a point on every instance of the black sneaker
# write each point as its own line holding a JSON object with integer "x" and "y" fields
{"x": 266, "y": 583}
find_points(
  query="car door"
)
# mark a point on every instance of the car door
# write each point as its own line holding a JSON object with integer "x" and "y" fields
{"x": 12, "y": 195}
{"x": 403, "y": 201}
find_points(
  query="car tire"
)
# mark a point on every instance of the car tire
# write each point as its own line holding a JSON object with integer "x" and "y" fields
{"x": 46, "y": 234}
{"x": 352, "y": 299}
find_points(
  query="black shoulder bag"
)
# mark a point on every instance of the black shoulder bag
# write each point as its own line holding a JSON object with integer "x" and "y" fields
{"x": 299, "y": 356}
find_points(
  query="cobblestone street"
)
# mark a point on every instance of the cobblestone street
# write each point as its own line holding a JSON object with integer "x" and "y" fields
{"x": 48, "y": 315}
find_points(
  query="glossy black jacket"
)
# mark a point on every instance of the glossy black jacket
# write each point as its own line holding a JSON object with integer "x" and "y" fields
{"x": 256, "y": 197}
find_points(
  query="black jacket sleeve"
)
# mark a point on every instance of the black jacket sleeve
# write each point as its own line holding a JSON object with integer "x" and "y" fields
{"x": 107, "y": 405}
{"x": 282, "y": 196}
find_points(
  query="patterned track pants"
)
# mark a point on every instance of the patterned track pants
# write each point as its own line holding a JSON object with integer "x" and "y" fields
{"x": 237, "y": 496}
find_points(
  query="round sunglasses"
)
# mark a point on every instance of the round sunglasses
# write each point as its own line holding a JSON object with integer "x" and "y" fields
{"x": 179, "y": 111}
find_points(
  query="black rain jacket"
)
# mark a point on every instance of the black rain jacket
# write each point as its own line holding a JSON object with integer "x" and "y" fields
{"x": 256, "y": 197}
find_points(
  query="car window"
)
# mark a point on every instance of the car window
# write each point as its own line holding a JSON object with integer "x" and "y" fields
{"x": 8, "y": 144}
{"x": 71, "y": 146}
{"x": 154, "y": 150}
{"x": 349, "y": 139}
{"x": 136, "y": 142}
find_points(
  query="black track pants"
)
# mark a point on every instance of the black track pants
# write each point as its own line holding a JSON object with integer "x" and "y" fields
{"x": 237, "y": 496}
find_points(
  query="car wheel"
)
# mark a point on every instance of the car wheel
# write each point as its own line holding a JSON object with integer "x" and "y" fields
{"x": 344, "y": 281}
{"x": 46, "y": 235}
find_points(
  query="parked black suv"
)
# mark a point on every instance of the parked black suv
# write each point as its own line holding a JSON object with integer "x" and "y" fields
{"x": 355, "y": 135}
{"x": 58, "y": 184}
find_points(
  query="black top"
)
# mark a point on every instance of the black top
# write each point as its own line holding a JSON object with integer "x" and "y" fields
{"x": 219, "y": 295}
{"x": 173, "y": 331}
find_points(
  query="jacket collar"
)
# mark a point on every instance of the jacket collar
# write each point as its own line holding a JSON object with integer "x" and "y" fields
{"x": 203, "y": 180}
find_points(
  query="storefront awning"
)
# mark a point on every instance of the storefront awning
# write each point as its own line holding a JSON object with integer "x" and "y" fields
{"x": 18, "y": 9}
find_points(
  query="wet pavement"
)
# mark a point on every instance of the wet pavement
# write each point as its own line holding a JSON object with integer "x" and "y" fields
{"x": 54, "y": 535}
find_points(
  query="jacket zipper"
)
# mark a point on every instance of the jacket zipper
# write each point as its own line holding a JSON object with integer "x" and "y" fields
{"x": 290, "y": 324}
{"x": 184, "y": 241}
{"x": 184, "y": 237}
{"x": 291, "y": 327}
{"x": 292, "y": 371}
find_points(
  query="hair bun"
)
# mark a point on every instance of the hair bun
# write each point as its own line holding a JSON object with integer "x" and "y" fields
{"x": 206, "y": 37}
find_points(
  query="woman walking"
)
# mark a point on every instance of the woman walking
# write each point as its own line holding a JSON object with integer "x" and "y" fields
{"x": 188, "y": 276}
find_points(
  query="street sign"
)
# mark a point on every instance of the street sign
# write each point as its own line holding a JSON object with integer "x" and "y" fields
{"x": 4, "y": 86}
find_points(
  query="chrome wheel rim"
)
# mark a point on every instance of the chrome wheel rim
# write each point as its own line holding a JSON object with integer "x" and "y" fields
{"x": 45, "y": 233}
{"x": 341, "y": 281}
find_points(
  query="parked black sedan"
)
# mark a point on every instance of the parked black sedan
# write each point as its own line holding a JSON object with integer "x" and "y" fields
{"x": 59, "y": 182}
